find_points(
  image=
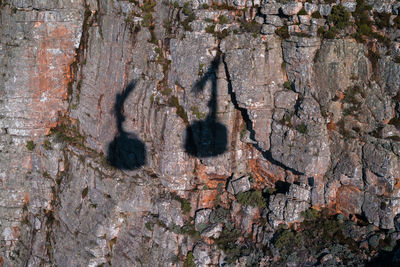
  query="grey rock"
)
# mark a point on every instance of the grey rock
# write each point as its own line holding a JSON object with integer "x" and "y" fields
{"x": 292, "y": 8}
{"x": 241, "y": 184}
{"x": 299, "y": 193}
{"x": 324, "y": 9}
{"x": 212, "y": 231}
{"x": 270, "y": 8}
{"x": 268, "y": 29}
{"x": 310, "y": 8}
{"x": 273, "y": 20}
{"x": 202, "y": 218}
{"x": 201, "y": 254}
{"x": 350, "y": 5}
{"x": 285, "y": 99}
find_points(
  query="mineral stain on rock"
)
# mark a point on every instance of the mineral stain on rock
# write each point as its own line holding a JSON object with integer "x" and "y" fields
{"x": 126, "y": 151}
{"x": 208, "y": 137}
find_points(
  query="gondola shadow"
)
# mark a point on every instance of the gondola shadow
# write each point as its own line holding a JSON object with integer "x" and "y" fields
{"x": 126, "y": 151}
{"x": 207, "y": 138}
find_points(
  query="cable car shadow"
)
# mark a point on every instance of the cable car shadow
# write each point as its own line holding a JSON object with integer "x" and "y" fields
{"x": 126, "y": 151}
{"x": 207, "y": 138}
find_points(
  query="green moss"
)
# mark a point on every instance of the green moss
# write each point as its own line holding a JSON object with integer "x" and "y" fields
{"x": 187, "y": 10}
{"x": 30, "y": 145}
{"x": 189, "y": 261}
{"x": 302, "y": 128}
{"x": 252, "y": 198}
{"x": 195, "y": 111}
{"x": 205, "y": 6}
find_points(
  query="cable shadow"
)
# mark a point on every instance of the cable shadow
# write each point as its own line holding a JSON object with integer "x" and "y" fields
{"x": 126, "y": 151}
{"x": 207, "y": 138}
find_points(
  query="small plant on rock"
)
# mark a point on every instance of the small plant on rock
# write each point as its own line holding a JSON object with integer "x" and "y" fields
{"x": 30, "y": 145}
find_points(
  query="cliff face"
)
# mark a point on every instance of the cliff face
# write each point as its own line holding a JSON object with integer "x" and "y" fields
{"x": 149, "y": 133}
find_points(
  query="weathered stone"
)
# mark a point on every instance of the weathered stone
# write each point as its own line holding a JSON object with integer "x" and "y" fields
{"x": 202, "y": 219}
{"x": 212, "y": 231}
{"x": 310, "y": 8}
{"x": 292, "y": 8}
{"x": 241, "y": 185}
{"x": 274, "y": 20}
{"x": 268, "y": 29}
{"x": 324, "y": 9}
{"x": 270, "y": 8}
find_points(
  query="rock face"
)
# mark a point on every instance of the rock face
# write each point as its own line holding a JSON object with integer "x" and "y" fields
{"x": 148, "y": 133}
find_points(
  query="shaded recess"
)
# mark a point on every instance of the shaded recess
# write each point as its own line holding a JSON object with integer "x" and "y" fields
{"x": 208, "y": 137}
{"x": 126, "y": 151}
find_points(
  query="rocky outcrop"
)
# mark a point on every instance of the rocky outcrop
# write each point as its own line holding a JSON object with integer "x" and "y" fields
{"x": 196, "y": 132}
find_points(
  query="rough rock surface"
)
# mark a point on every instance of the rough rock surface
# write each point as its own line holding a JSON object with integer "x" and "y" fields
{"x": 229, "y": 120}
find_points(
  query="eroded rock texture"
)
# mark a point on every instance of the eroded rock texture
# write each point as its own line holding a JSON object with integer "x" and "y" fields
{"x": 192, "y": 133}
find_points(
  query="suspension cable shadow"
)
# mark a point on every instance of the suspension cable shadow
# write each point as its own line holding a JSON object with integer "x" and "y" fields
{"x": 126, "y": 151}
{"x": 208, "y": 137}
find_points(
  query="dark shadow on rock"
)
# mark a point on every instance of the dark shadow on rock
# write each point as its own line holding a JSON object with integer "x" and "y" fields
{"x": 208, "y": 137}
{"x": 126, "y": 151}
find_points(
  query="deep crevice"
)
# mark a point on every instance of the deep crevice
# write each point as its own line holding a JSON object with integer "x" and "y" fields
{"x": 266, "y": 154}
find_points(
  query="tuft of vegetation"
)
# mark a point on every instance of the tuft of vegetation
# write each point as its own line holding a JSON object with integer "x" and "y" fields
{"x": 302, "y": 128}
{"x": 331, "y": 33}
{"x": 283, "y": 32}
{"x": 189, "y": 261}
{"x": 210, "y": 29}
{"x": 316, "y": 15}
{"x": 382, "y": 20}
{"x": 30, "y": 145}
{"x": 222, "y": 19}
{"x": 195, "y": 111}
{"x": 340, "y": 17}
{"x": 47, "y": 145}
{"x": 227, "y": 242}
{"x": 85, "y": 192}
{"x": 396, "y": 22}
{"x": 252, "y": 198}
{"x": 250, "y": 26}
{"x": 185, "y": 204}
{"x": 302, "y": 12}
{"x": 180, "y": 111}
{"x": 350, "y": 95}
{"x": 288, "y": 85}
